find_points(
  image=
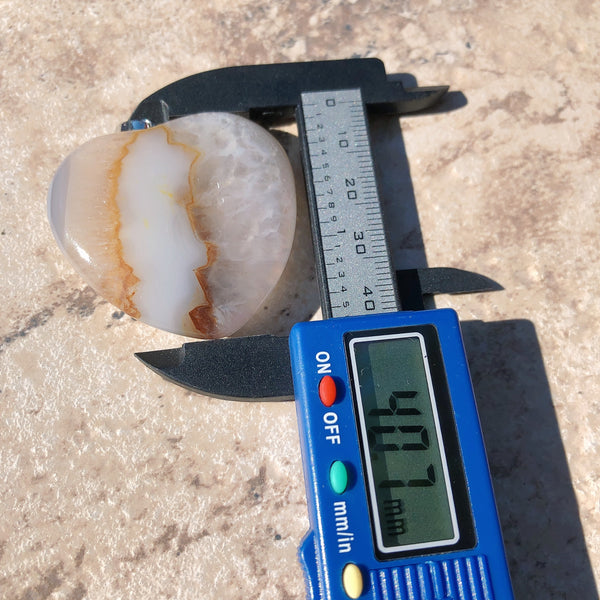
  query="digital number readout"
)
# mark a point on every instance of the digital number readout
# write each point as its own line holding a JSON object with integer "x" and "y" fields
{"x": 403, "y": 450}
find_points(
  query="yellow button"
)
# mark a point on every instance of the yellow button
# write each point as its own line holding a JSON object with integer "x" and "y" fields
{"x": 352, "y": 580}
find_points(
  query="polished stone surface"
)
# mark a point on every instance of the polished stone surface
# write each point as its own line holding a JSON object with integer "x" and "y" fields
{"x": 186, "y": 226}
{"x": 115, "y": 484}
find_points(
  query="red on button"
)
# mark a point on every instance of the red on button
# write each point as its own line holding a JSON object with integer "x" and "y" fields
{"x": 327, "y": 390}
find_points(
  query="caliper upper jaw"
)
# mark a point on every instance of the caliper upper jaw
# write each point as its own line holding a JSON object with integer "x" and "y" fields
{"x": 271, "y": 93}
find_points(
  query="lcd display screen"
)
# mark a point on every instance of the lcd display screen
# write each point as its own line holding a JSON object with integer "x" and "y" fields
{"x": 405, "y": 463}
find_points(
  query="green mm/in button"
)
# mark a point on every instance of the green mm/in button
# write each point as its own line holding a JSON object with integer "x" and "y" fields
{"x": 338, "y": 477}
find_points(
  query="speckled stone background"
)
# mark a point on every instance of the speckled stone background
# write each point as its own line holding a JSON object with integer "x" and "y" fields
{"x": 115, "y": 484}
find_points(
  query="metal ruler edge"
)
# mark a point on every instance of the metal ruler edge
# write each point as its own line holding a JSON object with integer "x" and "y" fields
{"x": 353, "y": 262}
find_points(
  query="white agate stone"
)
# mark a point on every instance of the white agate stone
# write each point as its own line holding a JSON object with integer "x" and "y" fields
{"x": 186, "y": 226}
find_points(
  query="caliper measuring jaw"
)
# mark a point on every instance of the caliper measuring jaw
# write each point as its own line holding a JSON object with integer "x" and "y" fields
{"x": 238, "y": 368}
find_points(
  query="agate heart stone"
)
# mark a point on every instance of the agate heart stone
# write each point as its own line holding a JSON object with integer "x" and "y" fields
{"x": 186, "y": 225}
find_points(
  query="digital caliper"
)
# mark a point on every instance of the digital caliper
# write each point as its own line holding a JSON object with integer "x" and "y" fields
{"x": 399, "y": 494}
{"x": 398, "y": 488}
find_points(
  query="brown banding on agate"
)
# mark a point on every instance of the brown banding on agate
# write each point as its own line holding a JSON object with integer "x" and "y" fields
{"x": 122, "y": 272}
{"x": 203, "y": 316}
